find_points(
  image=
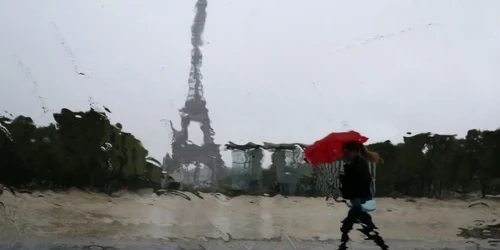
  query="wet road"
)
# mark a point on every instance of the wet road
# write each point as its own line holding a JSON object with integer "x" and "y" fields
{"x": 263, "y": 245}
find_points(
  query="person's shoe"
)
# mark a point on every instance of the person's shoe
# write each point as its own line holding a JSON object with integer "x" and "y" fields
{"x": 384, "y": 247}
{"x": 343, "y": 242}
{"x": 380, "y": 242}
{"x": 343, "y": 246}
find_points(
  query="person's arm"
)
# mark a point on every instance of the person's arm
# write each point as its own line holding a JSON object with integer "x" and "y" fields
{"x": 365, "y": 178}
{"x": 346, "y": 185}
{"x": 366, "y": 172}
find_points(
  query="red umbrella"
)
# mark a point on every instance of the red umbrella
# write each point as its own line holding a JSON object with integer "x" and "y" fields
{"x": 329, "y": 149}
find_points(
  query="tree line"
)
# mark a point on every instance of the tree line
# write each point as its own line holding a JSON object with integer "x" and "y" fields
{"x": 81, "y": 149}
{"x": 84, "y": 149}
{"x": 424, "y": 165}
{"x": 434, "y": 165}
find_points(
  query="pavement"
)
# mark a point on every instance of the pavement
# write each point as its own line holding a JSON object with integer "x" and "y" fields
{"x": 283, "y": 244}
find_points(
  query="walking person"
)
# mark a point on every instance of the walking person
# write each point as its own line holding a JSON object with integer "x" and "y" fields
{"x": 356, "y": 182}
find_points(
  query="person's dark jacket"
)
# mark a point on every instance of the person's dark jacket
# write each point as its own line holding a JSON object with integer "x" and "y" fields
{"x": 356, "y": 180}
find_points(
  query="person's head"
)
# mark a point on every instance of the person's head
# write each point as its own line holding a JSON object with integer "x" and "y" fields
{"x": 351, "y": 149}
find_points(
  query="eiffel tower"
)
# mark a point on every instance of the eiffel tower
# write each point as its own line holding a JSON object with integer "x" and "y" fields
{"x": 185, "y": 152}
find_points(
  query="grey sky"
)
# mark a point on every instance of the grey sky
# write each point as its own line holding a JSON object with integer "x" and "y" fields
{"x": 274, "y": 70}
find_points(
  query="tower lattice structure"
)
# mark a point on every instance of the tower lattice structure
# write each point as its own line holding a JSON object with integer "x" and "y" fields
{"x": 184, "y": 151}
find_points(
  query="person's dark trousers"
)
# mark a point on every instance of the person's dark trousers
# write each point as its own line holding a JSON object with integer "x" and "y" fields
{"x": 357, "y": 215}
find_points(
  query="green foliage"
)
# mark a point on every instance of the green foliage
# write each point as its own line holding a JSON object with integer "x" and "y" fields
{"x": 81, "y": 149}
{"x": 435, "y": 165}
{"x": 85, "y": 149}
{"x": 424, "y": 165}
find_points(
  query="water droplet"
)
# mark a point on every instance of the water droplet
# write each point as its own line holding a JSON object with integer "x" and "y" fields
{"x": 6, "y": 132}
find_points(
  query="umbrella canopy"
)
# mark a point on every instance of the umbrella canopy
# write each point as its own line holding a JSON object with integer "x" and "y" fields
{"x": 329, "y": 149}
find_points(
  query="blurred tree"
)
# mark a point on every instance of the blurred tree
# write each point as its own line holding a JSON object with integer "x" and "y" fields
{"x": 85, "y": 149}
{"x": 81, "y": 149}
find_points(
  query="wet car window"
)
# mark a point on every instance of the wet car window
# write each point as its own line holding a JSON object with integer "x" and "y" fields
{"x": 263, "y": 124}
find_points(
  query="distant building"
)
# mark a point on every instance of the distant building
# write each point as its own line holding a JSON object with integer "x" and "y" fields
{"x": 287, "y": 163}
{"x": 246, "y": 168}
{"x": 290, "y": 171}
